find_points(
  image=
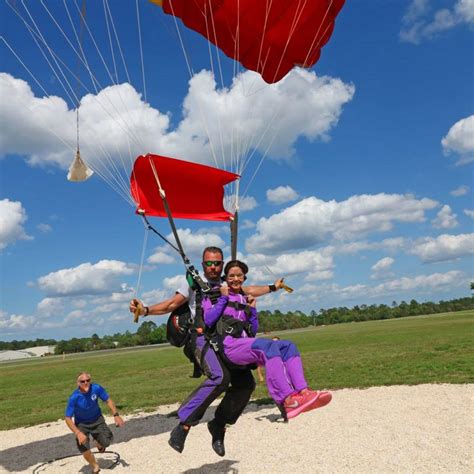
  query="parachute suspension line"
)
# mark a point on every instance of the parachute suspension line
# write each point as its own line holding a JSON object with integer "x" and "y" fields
{"x": 219, "y": 124}
{"x": 141, "y": 50}
{"x": 128, "y": 129}
{"x": 296, "y": 18}
{"x": 234, "y": 223}
{"x": 317, "y": 33}
{"x": 168, "y": 212}
{"x": 110, "y": 41}
{"x": 118, "y": 42}
{"x": 142, "y": 258}
{"x": 38, "y": 33}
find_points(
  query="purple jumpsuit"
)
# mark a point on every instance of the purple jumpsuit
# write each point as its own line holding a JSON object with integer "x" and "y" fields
{"x": 282, "y": 361}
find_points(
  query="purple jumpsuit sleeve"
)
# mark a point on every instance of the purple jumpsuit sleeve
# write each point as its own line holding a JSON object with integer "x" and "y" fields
{"x": 253, "y": 319}
{"x": 212, "y": 314}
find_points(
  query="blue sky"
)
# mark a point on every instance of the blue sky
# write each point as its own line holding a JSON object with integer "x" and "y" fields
{"x": 363, "y": 196}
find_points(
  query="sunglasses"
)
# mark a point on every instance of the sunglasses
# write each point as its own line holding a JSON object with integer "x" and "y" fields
{"x": 85, "y": 381}
{"x": 210, "y": 263}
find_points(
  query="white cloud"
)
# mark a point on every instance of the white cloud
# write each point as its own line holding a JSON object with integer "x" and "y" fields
{"x": 162, "y": 255}
{"x": 312, "y": 221}
{"x": 460, "y": 140}
{"x": 50, "y": 307}
{"x": 44, "y": 228}
{"x": 16, "y": 321}
{"x": 419, "y": 23}
{"x": 460, "y": 191}
{"x": 281, "y": 194}
{"x": 445, "y": 219}
{"x": 246, "y": 203}
{"x": 382, "y": 268}
{"x": 12, "y": 219}
{"x": 236, "y": 118}
{"x": 469, "y": 213}
{"x": 444, "y": 247}
{"x": 173, "y": 283}
{"x": 84, "y": 279}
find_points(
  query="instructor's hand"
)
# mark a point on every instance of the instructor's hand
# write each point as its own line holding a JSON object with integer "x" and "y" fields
{"x": 81, "y": 438}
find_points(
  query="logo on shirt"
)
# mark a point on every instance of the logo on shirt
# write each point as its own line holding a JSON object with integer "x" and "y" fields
{"x": 94, "y": 397}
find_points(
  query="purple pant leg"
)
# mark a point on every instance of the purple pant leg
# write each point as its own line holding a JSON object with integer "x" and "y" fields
{"x": 294, "y": 370}
{"x": 194, "y": 407}
{"x": 243, "y": 351}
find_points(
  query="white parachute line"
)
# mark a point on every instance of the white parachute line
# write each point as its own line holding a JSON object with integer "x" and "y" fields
{"x": 128, "y": 128}
{"x": 142, "y": 259}
{"x": 141, "y": 50}
{"x": 219, "y": 123}
{"x": 292, "y": 30}
{"x": 110, "y": 41}
{"x": 310, "y": 48}
{"x": 38, "y": 32}
{"x": 118, "y": 43}
{"x": 7, "y": 44}
{"x": 191, "y": 74}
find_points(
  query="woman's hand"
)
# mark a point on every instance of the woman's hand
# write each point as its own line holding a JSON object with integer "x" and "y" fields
{"x": 224, "y": 289}
{"x": 252, "y": 301}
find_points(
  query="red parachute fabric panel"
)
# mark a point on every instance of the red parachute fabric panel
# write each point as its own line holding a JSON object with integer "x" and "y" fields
{"x": 267, "y": 36}
{"x": 193, "y": 191}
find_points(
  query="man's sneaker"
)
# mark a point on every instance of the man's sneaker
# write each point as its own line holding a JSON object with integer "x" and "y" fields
{"x": 218, "y": 433}
{"x": 178, "y": 437}
{"x": 323, "y": 398}
{"x": 299, "y": 402}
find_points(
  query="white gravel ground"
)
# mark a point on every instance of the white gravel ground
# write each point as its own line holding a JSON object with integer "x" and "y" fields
{"x": 422, "y": 429}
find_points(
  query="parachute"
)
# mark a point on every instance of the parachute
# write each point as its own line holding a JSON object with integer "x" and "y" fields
{"x": 193, "y": 191}
{"x": 269, "y": 37}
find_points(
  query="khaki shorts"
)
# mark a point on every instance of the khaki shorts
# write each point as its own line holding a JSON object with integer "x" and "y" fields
{"x": 98, "y": 430}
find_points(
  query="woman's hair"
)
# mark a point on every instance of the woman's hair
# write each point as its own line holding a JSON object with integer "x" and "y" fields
{"x": 236, "y": 263}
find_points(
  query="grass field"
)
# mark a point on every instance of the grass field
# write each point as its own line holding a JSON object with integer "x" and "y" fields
{"x": 415, "y": 350}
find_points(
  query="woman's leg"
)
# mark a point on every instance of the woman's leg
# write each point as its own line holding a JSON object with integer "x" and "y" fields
{"x": 293, "y": 365}
{"x": 243, "y": 351}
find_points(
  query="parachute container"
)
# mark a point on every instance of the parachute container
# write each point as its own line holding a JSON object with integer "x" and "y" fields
{"x": 267, "y": 36}
{"x": 193, "y": 191}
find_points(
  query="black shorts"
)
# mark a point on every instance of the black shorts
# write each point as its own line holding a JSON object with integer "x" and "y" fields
{"x": 98, "y": 430}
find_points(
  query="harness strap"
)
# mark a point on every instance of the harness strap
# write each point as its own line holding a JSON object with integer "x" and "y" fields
{"x": 240, "y": 307}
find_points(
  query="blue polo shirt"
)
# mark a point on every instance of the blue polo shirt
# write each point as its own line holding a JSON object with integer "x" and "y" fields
{"x": 84, "y": 407}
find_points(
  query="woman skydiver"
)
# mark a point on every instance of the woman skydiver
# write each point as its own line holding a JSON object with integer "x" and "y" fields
{"x": 235, "y": 321}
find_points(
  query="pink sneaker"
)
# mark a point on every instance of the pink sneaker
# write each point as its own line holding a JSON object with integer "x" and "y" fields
{"x": 322, "y": 398}
{"x": 299, "y": 402}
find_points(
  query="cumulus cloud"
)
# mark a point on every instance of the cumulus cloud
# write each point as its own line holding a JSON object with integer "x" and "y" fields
{"x": 246, "y": 203}
{"x": 312, "y": 220}
{"x": 281, "y": 194}
{"x": 117, "y": 124}
{"x": 469, "y": 213}
{"x": 460, "y": 140}
{"x": 420, "y": 22}
{"x": 162, "y": 255}
{"x": 12, "y": 219}
{"x": 382, "y": 268}
{"x": 87, "y": 278}
{"x": 15, "y": 321}
{"x": 460, "y": 191}
{"x": 443, "y": 248}
{"x": 445, "y": 219}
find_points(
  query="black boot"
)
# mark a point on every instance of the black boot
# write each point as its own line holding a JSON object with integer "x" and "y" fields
{"x": 218, "y": 433}
{"x": 281, "y": 407}
{"x": 178, "y": 437}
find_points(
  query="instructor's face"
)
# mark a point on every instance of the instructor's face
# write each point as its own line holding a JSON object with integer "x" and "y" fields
{"x": 84, "y": 382}
{"x": 212, "y": 265}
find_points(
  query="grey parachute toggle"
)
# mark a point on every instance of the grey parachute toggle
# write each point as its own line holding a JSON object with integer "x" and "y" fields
{"x": 79, "y": 171}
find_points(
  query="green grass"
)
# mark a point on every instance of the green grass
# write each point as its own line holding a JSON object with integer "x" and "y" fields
{"x": 421, "y": 349}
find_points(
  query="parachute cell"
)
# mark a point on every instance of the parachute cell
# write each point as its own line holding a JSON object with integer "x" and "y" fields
{"x": 193, "y": 191}
{"x": 267, "y": 36}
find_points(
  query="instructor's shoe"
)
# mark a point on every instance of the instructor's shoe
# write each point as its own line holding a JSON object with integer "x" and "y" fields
{"x": 218, "y": 433}
{"x": 178, "y": 437}
{"x": 281, "y": 407}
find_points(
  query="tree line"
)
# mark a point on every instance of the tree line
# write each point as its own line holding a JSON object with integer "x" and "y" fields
{"x": 151, "y": 333}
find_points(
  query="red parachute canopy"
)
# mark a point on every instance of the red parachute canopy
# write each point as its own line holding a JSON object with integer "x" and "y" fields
{"x": 193, "y": 191}
{"x": 267, "y": 36}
